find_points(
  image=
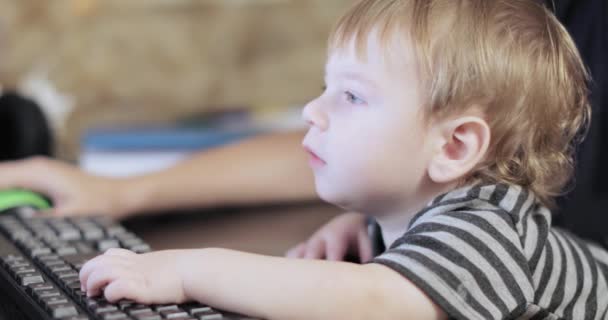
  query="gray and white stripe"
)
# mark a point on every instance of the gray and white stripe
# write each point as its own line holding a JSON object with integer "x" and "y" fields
{"x": 489, "y": 252}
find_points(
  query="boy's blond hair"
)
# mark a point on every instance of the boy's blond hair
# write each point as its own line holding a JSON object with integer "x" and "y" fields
{"x": 510, "y": 58}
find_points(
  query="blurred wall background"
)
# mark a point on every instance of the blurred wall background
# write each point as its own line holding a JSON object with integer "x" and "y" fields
{"x": 132, "y": 61}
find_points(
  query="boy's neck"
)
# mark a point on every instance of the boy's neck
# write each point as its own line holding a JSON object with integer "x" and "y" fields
{"x": 395, "y": 224}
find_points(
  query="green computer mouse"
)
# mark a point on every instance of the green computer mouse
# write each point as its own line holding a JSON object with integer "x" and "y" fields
{"x": 13, "y": 198}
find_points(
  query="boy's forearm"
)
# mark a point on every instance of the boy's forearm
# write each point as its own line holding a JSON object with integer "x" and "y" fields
{"x": 264, "y": 169}
{"x": 271, "y": 288}
{"x": 279, "y": 288}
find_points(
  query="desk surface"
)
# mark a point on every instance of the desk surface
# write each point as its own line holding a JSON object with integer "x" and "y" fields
{"x": 264, "y": 230}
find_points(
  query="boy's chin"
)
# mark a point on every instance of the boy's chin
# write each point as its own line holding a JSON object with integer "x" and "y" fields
{"x": 336, "y": 198}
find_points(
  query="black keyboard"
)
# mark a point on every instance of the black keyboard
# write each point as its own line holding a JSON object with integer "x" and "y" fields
{"x": 40, "y": 259}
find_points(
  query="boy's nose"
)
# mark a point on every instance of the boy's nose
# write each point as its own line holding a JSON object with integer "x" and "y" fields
{"x": 315, "y": 116}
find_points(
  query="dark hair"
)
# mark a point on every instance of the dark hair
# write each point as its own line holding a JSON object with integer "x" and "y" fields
{"x": 24, "y": 130}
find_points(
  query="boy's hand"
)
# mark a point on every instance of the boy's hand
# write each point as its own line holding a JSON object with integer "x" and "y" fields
{"x": 345, "y": 234}
{"x": 73, "y": 191}
{"x": 150, "y": 278}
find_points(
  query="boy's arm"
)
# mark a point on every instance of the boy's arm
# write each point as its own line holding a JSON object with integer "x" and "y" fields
{"x": 259, "y": 286}
{"x": 278, "y": 288}
{"x": 263, "y": 169}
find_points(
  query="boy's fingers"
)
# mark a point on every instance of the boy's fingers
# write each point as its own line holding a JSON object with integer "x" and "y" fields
{"x": 88, "y": 267}
{"x": 290, "y": 253}
{"x": 314, "y": 249}
{"x": 365, "y": 246}
{"x": 120, "y": 289}
{"x": 297, "y": 251}
{"x": 115, "y": 291}
{"x": 98, "y": 279}
{"x": 95, "y": 264}
{"x": 336, "y": 249}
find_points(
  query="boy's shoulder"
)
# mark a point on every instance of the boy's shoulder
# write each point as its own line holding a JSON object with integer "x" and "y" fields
{"x": 489, "y": 252}
{"x": 499, "y": 205}
{"x": 465, "y": 252}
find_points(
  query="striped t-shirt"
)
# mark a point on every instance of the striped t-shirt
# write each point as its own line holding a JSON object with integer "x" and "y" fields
{"x": 489, "y": 252}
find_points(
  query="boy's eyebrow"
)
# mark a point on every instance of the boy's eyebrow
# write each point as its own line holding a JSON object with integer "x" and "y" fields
{"x": 355, "y": 76}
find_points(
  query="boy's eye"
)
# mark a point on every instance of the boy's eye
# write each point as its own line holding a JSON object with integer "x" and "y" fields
{"x": 353, "y": 99}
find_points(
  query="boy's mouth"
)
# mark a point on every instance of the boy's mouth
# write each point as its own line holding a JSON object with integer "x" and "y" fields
{"x": 314, "y": 160}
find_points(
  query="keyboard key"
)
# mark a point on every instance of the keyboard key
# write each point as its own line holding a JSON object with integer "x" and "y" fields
{"x": 54, "y": 242}
{"x": 84, "y": 249}
{"x": 78, "y": 266}
{"x": 29, "y": 278}
{"x": 47, "y": 257}
{"x": 131, "y": 242}
{"x": 53, "y": 262}
{"x": 139, "y": 310}
{"x": 116, "y": 315}
{"x": 125, "y": 236}
{"x": 201, "y": 310}
{"x": 114, "y": 230}
{"x": 104, "y": 308}
{"x": 39, "y": 251}
{"x": 104, "y": 245}
{"x": 171, "y": 314}
{"x": 147, "y": 316}
{"x": 48, "y": 294}
{"x": 78, "y": 260}
{"x": 205, "y": 313}
{"x": 68, "y": 234}
{"x": 12, "y": 258}
{"x": 66, "y": 274}
{"x": 17, "y": 264}
{"x": 19, "y": 234}
{"x": 60, "y": 268}
{"x": 22, "y": 269}
{"x": 62, "y": 310}
{"x": 125, "y": 304}
{"x": 49, "y": 302}
{"x": 66, "y": 250}
{"x": 110, "y": 227}
{"x": 26, "y": 212}
{"x": 73, "y": 285}
{"x": 166, "y": 307}
{"x": 92, "y": 233}
{"x": 91, "y": 303}
{"x": 66, "y": 283}
{"x": 79, "y": 296}
{"x": 33, "y": 288}
{"x": 140, "y": 248}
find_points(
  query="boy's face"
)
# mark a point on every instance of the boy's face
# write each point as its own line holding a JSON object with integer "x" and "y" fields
{"x": 366, "y": 137}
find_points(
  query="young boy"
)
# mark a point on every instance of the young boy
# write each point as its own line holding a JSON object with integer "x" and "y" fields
{"x": 452, "y": 123}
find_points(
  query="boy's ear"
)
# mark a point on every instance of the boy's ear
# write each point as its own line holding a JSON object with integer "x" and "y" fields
{"x": 461, "y": 144}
